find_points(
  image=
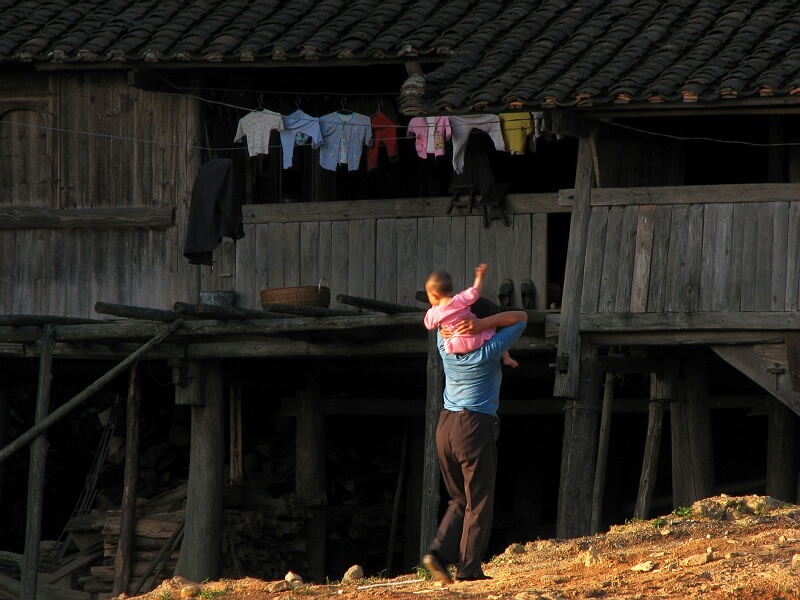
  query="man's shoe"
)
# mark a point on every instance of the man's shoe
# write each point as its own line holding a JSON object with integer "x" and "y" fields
{"x": 437, "y": 569}
{"x": 475, "y": 577}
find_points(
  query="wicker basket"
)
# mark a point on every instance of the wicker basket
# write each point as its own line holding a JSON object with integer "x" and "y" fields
{"x": 304, "y": 295}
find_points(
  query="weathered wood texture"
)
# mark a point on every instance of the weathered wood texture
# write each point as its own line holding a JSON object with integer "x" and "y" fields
{"x": 387, "y": 259}
{"x": 84, "y": 169}
{"x": 720, "y": 257}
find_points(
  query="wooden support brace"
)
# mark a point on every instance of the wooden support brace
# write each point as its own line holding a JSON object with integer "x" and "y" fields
{"x": 220, "y": 313}
{"x": 137, "y": 312}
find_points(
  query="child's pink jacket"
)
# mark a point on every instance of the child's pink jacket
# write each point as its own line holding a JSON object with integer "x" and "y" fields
{"x": 448, "y": 316}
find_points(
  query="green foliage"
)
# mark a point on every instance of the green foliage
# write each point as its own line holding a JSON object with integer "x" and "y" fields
{"x": 659, "y": 522}
{"x": 422, "y": 573}
{"x": 683, "y": 511}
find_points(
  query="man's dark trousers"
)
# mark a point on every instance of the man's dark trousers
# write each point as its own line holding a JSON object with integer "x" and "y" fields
{"x": 466, "y": 443}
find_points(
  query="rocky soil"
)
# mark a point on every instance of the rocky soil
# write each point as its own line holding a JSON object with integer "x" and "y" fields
{"x": 732, "y": 548}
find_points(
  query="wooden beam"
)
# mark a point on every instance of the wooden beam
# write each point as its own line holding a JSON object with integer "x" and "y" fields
{"x": 138, "y": 312}
{"x": 40, "y": 320}
{"x": 122, "y": 562}
{"x": 399, "y": 208}
{"x": 685, "y": 338}
{"x": 200, "y": 552}
{"x": 378, "y": 305}
{"x": 688, "y": 194}
{"x": 602, "y": 453}
{"x": 431, "y": 473}
{"x": 567, "y": 357}
{"x": 307, "y": 311}
{"x": 782, "y": 453}
{"x": 679, "y": 321}
{"x": 78, "y": 399}
{"x": 310, "y": 485}
{"x": 36, "y": 470}
{"x": 35, "y": 217}
{"x": 690, "y": 421}
{"x": 221, "y": 313}
{"x": 663, "y": 387}
{"x": 579, "y": 450}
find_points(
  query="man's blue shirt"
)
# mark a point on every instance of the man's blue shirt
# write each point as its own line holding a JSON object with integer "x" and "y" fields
{"x": 472, "y": 380}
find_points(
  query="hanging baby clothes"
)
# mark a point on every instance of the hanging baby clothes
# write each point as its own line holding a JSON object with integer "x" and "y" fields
{"x": 462, "y": 125}
{"x": 430, "y": 134}
{"x": 516, "y": 129}
{"x": 384, "y": 131}
{"x": 343, "y": 136}
{"x": 257, "y": 127}
{"x": 298, "y": 128}
{"x": 215, "y": 211}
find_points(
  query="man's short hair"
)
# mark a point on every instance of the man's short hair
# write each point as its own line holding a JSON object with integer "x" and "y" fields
{"x": 440, "y": 282}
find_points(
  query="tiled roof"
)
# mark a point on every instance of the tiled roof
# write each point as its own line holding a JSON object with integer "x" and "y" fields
{"x": 493, "y": 54}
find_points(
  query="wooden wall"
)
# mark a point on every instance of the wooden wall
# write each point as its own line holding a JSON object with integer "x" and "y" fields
{"x": 693, "y": 249}
{"x": 74, "y": 143}
{"x": 383, "y": 258}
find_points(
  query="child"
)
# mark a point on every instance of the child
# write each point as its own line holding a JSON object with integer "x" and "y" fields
{"x": 447, "y": 310}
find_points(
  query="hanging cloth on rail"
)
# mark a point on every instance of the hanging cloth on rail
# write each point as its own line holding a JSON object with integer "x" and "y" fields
{"x": 384, "y": 131}
{"x": 430, "y": 134}
{"x": 215, "y": 211}
{"x": 344, "y": 135}
{"x": 257, "y": 126}
{"x": 463, "y": 124}
{"x": 298, "y": 128}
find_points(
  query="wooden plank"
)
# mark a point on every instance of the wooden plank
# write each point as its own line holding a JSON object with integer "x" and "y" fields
{"x": 291, "y": 255}
{"x": 749, "y": 257}
{"x": 689, "y": 194}
{"x": 247, "y": 281}
{"x": 398, "y": 208}
{"x": 385, "y": 252}
{"x": 539, "y": 258}
{"x": 779, "y": 268}
{"x": 643, "y": 253}
{"x": 340, "y": 260}
{"x": 426, "y": 261}
{"x": 593, "y": 266}
{"x": 601, "y": 465}
{"x": 37, "y": 217}
{"x": 694, "y": 255}
{"x": 715, "y": 270}
{"x": 456, "y": 231}
{"x": 275, "y": 248}
{"x": 568, "y": 355}
{"x": 734, "y": 299}
{"x": 656, "y": 293}
{"x": 684, "y": 338}
{"x": 627, "y": 250}
{"x": 474, "y": 254}
{"x": 792, "y": 301}
{"x": 675, "y": 280}
{"x": 405, "y": 260}
{"x": 764, "y": 247}
{"x": 355, "y": 274}
{"x": 325, "y": 252}
{"x": 368, "y": 257}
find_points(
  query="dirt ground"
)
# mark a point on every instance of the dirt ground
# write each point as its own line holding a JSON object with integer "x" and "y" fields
{"x": 733, "y": 548}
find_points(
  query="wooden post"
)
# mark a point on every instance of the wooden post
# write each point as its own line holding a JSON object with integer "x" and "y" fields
{"x": 602, "y": 453}
{"x": 122, "y": 563}
{"x": 38, "y": 450}
{"x": 310, "y": 480}
{"x": 431, "y": 473}
{"x": 568, "y": 354}
{"x": 661, "y": 391}
{"x": 200, "y": 551}
{"x": 579, "y": 449}
{"x": 4, "y": 412}
{"x": 237, "y": 469}
{"x": 782, "y": 452}
{"x": 692, "y": 459}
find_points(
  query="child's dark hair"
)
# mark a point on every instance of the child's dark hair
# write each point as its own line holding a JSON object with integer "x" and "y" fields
{"x": 440, "y": 282}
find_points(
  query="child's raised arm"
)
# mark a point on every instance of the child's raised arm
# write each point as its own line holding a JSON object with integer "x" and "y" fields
{"x": 480, "y": 270}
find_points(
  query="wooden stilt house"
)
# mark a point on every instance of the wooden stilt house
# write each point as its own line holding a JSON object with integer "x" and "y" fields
{"x": 660, "y": 197}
